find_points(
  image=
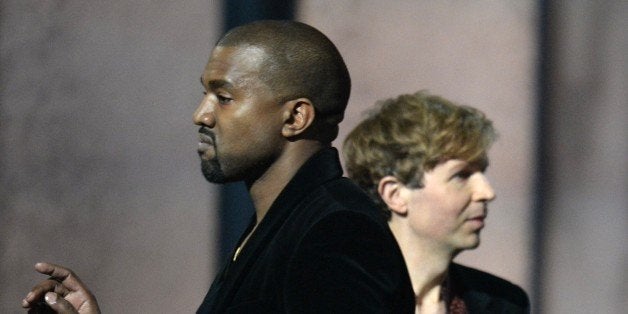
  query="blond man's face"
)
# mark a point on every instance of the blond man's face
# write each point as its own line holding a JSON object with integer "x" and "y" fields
{"x": 451, "y": 208}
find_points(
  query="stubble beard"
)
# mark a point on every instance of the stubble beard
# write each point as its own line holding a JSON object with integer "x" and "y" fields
{"x": 212, "y": 171}
{"x": 227, "y": 168}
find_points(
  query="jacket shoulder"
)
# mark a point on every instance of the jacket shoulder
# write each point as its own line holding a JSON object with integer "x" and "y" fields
{"x": 479, "y": 283}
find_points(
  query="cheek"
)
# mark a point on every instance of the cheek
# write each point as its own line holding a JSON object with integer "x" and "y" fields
{"x": 435, "y": 199}
{"x": 431, "y": 220}
{"x": 256, "y": 137}
{"x": 454, "y": 198}
{"x": 257, "y": 123}
{"x": 237, "y": 130}
{"x": 439, "y": 207}
{"x": 424, "y": 210}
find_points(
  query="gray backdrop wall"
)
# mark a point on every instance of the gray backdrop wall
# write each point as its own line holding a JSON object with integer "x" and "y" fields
{"x": 584, "y": 253}
{"x": 98, "y": 164}
{"x": 97, "y": 150}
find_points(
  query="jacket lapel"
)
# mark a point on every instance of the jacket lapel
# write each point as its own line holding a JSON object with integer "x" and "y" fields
{"x": 321, "y": 167}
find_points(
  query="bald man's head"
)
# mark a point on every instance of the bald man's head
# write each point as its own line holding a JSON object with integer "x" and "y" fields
{"x": 302, "y": 63}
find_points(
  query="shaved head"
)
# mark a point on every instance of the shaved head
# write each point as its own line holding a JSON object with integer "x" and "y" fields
{"x": 302, "y": 63}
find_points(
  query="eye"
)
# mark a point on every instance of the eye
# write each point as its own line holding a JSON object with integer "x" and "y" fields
{"x": 223, "y": 100}
{"x": 463, "y": 174}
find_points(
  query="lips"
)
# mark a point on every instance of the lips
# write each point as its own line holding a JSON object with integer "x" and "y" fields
{"x": 480, "y": 217}
{"x": 476, "y": 221}
{"x": 206, "y": 139}
{"x": 206, "y": 145}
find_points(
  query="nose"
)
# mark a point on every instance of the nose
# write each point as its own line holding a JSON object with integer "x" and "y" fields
{"x": 483, "y": 191}
{"x": 204, "y": 114}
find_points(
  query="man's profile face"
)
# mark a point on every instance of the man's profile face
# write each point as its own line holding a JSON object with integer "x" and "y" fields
{"x": 451, "y": 207}
{"x": 240, "y": 119}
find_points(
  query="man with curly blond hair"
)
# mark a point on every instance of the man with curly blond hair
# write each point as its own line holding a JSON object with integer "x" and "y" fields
{"x": 422, "y": 159}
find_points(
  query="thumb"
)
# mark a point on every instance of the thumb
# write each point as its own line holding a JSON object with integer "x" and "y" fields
{"x": 59, "y": 304}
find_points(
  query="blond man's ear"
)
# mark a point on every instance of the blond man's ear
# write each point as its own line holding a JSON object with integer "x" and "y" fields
{"x": 390, "y": 189}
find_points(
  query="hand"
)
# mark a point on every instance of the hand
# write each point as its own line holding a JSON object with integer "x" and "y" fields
{"x": 63, "y": 292}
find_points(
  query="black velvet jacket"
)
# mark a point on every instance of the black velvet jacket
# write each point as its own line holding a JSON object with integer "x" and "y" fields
{"x": 486, "y": 293}
{"x": 323, "y": 247}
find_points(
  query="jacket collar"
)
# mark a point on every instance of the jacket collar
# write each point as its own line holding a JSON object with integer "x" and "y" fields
{"x": 475, "y": 300}
{"x": 320, "y": 168}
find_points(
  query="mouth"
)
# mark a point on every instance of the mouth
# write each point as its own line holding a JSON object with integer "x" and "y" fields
{"x": 477, "y": 220}
{"x": 479, "y": 213}
{"x": 478, "y": 217}
{"x": 206, "y": 145}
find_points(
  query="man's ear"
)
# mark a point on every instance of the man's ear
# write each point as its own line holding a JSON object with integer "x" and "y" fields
{"x": 390, "y": 190}
{"x": 298, "y": 116}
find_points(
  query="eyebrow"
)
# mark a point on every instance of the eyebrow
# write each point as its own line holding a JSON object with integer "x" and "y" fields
{"x": 481, "y": 164}
{"x": 216, "y": 83}
{"x": 478, "y": 164}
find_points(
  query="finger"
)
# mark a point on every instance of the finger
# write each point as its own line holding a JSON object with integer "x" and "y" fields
{"x": 55, "y": 271}
{"x": 38, "y": 291}
{"x": 61, "y": 274}
{"x": 59, "y": 304}
{"x": 40, "y": 307}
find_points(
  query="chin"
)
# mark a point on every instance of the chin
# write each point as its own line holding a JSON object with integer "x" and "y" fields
{"x": 212, "y": 172}
{"x": 469, "y": 243}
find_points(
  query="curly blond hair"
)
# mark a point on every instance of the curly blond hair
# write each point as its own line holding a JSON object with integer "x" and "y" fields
{"x": 411, "y": 134}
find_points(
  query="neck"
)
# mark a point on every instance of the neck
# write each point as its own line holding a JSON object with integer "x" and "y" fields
{"x": 427, "y": 263}
{"x": 265, "y": 189}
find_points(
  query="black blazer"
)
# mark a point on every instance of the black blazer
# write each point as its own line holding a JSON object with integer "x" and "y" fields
{"x": 323, "y": 247}
{"x": 486, "y": 293}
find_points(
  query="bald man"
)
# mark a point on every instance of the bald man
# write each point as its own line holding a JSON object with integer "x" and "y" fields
{"x": 275, "y": 92}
